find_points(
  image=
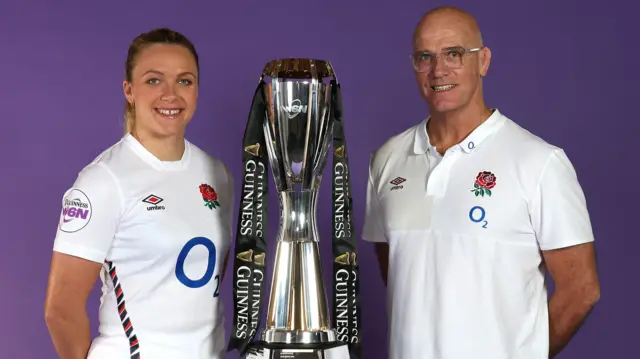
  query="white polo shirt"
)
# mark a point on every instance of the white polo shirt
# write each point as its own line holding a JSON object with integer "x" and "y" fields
{"x": 465, "y": 273}
{"x": 161, "y": 242}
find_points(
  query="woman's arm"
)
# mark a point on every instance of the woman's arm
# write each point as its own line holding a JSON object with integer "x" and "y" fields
{"x": 88, "y": 222}
{"x": 71, "y": 280}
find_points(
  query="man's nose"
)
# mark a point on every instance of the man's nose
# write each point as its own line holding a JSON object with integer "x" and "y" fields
{"x": 439, "y": 68}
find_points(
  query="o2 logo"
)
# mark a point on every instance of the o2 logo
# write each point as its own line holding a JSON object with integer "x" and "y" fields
{"x": 477, "y": 215}
{"x": 211, "y": 266}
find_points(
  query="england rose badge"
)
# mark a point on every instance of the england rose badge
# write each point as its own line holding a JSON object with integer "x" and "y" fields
{"x": 485, "y": 182}
{"x": 209, "y": 196}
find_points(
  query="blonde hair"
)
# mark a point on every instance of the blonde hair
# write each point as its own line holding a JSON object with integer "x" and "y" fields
{"x": 155, "y": 36}
{"x": 129, "y": 117}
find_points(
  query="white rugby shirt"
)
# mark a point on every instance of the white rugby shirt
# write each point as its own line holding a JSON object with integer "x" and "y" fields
{"x": 465, "y": 231}
{"x": 161, "y": 234}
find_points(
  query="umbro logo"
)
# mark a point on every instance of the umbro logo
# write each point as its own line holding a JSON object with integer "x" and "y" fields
{"x": 397, "y": 183}
{"x": 153, "y": 200}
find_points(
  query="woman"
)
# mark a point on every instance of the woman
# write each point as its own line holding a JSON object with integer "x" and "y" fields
{"x": 152, "y": 215}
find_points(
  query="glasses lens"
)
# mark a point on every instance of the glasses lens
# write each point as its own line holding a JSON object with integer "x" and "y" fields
{"x": 422, "y": 61}
{"x": 453, "y": 58}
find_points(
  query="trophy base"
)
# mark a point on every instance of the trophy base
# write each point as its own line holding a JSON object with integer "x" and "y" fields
{"x": 334, "y": 350}
{"x": 280, "y": 336}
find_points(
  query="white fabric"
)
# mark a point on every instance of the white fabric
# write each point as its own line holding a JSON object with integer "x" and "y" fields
{"x": 465, "y": 273}
{"x": 148, "y": 273}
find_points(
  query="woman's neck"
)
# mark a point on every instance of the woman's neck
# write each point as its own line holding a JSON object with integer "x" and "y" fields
{"x": 168, "y": 149}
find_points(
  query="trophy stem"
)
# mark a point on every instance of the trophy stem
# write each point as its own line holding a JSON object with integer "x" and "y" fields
{"x": 297, "y": 104}
{"x": 298, "y": 312}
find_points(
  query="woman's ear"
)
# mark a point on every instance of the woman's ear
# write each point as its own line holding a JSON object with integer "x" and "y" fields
{"x": 128, "y": 94}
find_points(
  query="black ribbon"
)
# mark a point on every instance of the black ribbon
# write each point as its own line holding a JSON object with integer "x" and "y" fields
{"x": 346, "y": 279}
{"x": 250, "y": 246}
{"x": 249, "y": 261}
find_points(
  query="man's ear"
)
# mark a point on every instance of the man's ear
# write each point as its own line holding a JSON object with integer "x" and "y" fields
{"x": 485, "y": 61}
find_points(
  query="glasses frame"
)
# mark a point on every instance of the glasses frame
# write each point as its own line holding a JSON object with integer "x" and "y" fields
{"x": 439, "y": 55}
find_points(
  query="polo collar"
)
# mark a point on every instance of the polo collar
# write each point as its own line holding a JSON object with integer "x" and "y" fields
{"x": 422, "y": 144}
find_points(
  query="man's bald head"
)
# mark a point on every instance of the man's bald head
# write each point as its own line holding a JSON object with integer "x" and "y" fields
{"x": 450, "y": 59}
{"x": 451, "y": 20}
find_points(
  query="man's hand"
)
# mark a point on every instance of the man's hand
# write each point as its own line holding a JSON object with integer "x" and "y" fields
{"x": 577, "y": 289}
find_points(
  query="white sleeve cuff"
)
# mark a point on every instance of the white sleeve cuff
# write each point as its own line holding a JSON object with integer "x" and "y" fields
{"x": 79, "y": 251}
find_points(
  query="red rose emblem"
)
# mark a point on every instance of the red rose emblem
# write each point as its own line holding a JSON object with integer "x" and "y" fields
{"x": 485, "y": 181}
{"x": 209, "y": 196}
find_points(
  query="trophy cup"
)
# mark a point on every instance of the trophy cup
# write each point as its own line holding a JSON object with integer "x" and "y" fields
{"x": 294, "y": 119}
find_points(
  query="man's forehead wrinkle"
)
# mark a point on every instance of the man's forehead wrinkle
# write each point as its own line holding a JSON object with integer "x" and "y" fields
{"x": 441, "y": 39}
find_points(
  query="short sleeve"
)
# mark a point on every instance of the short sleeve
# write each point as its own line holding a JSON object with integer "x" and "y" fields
{"x": 229, "y": 213}
{"x": 559, "y": 212}
{"x": 373, "y": 230}
{"x": 90, "y": 213}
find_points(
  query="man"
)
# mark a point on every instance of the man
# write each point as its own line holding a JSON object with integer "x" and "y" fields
{"x": 467, "y": 210}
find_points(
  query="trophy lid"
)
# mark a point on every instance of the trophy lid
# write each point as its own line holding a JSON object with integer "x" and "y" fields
{"x": 299, "y": 68}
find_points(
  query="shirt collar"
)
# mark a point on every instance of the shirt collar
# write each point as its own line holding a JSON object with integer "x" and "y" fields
{"x": 422, "y": 144}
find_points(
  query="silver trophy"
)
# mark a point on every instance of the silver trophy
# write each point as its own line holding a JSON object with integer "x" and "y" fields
{"x": 298, "y": 127}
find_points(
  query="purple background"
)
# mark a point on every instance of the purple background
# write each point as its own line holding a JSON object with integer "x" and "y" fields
{"x": 567, "y": 71}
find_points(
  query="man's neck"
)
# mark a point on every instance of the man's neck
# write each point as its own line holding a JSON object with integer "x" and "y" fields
{"x": 450, "y": 128}
{"x": 164, "y": 148}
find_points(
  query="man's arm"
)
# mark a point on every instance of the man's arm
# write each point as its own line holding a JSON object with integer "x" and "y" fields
{"x": 382, "y": 252}
{"x": 561, "y": 221}
{"x": 577, "y": 290}
{"x": 373, "y": 229}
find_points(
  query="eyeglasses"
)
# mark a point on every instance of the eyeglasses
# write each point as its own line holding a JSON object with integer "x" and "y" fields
{"x": 423, "y": 61}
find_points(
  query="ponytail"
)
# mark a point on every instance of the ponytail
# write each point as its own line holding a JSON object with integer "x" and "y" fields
{"x": 129, "y": 117}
